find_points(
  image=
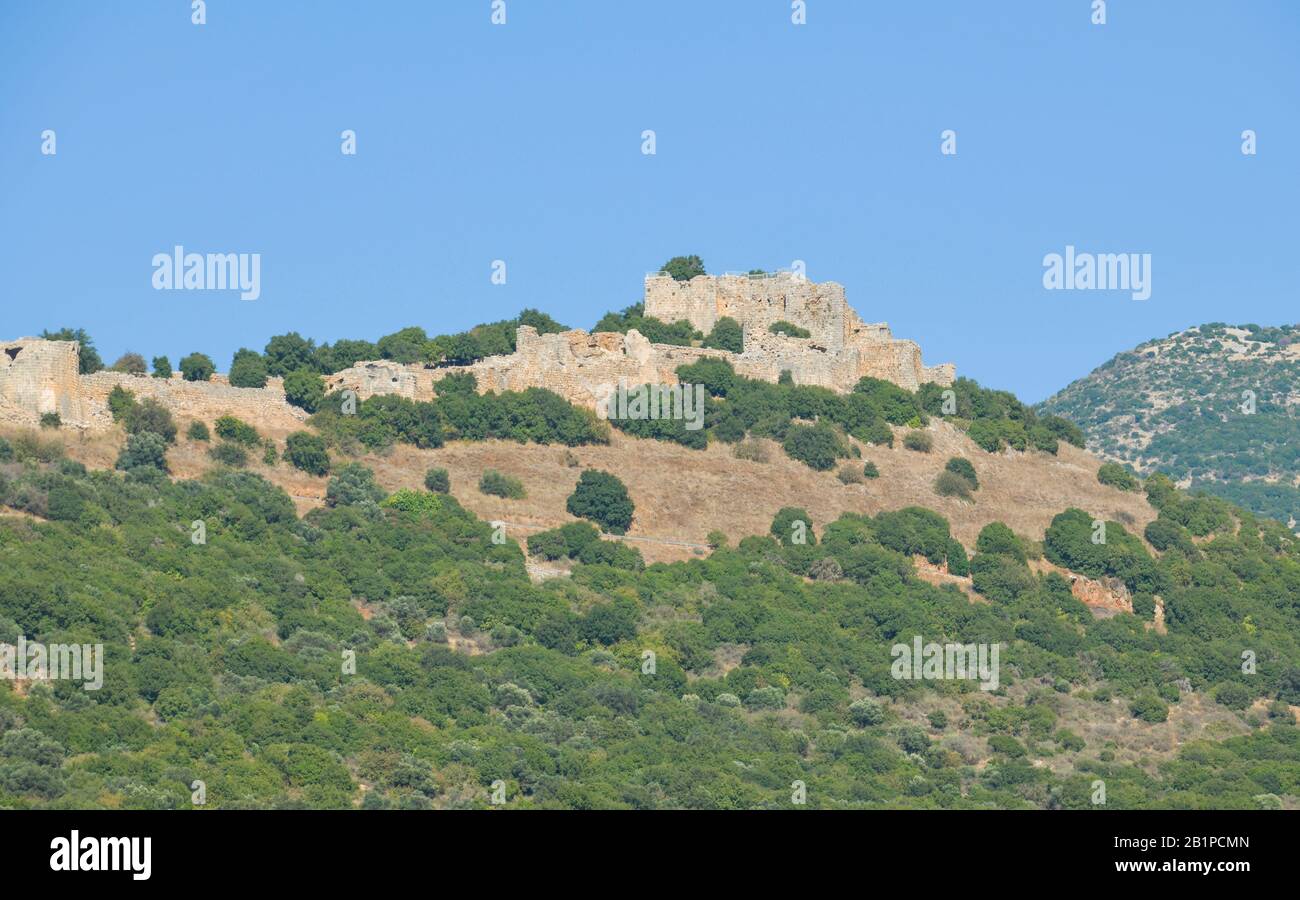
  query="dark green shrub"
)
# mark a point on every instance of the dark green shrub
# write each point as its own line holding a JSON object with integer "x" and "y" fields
{"x": 144, "y": 449}
{"x": 1233, "y": 695}
{"x": 950, "y": 484}
{"x": 237, "y": 431}
{"x": 793, "y": 526}
{"x": 726, "y": 335}
{"x": 789, "y": 329}
{"x": 1115, "y": 475}
{"x": 120, "y": 402}
{"x": 920, "y": 441}
{"x": 150, "y": 415}
{"x": 304, "y": 388}
{"x": 248, "y": 369}
{"x": 438, "y": 481}
{"x": 816, "y": 446}
{"x": 602, "y": 498}
{"x": 197, "y": 367}
{"x": 998, "y": 539}
{"x": 1149, "y": 708}
{"x": 351, "y": 485}
{"x": 498, "y": 485}
{"x": 198, "y": 431}
{"x": 306, "y": 451}
{"x": 961, "y": 466}
{"x": 229, "y": 454}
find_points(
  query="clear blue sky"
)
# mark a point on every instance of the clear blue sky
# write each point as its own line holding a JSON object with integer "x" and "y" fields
{"x": 775, "y": 142}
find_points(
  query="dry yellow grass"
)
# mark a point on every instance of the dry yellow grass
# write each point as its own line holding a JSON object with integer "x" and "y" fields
{"x": 682, "y": 494}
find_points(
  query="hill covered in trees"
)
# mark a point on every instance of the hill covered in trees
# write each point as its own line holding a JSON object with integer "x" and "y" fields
{"x": 1214, "y": 407}
{"x": 392, "y": 653}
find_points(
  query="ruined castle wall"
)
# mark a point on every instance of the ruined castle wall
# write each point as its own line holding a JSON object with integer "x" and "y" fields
{"x": 204, "y": 400}
{"x": 754, "y": 302}
{"x": 37, "y": 377}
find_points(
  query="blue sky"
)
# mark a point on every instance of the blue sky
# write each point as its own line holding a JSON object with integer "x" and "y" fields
{"x": 775, "y": 142}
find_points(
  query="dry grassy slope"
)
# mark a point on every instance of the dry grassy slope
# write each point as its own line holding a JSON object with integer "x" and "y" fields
{"x": 682, "y": 494}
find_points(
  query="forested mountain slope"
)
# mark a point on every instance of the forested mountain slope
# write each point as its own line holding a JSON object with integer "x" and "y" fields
{"x": 1215, "y": 407}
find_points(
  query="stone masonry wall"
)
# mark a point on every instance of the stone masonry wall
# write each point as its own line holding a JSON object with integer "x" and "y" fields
{"x": 38, "y": 376}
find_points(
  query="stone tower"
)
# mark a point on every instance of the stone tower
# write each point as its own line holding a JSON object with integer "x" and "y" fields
{"x": 41, "y": 377}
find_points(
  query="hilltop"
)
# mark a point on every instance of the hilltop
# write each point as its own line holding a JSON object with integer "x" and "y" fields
{"x": 733, "y": 634}
{"x": 1215, "y": 407}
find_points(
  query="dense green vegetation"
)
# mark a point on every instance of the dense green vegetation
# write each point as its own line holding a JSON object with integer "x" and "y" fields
{"x": 680, "y": 333}
{"x": 812, "y": 424}
{"x": 245, "y": 661}
{"x": 459, "y": 412}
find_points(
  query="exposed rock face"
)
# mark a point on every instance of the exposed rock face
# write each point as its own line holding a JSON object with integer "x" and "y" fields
{"x": 39, "y": 376}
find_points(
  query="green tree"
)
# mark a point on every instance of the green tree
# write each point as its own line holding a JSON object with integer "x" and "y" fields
{"x": 352, "y": 485}
{"x": 248, "y": 369}
{"x": 197, "y": 367}
{"x": 150, "y": 415}
{"x": 237, "y": 431}
{"x": 792, "y": 525}
{"x": 1117, "y": 476}
{"x": 602, "y": 498}
{"x": 305, "y": 389}
{"x": 120, "y": 403}
{"x": 131, "y": 364}
{"x": 88, "y": 360}
{"x": 162, "y": 367}
{"x": 816, "y": 446}
{"x": 726, "y": 335}
{"x": 438, "y": 481}
{"x": 306, "y": 451}
{"x": 684, "y": 268}
{"x": 287, "y": 353}
{"x": 145, "y": 449}
{"x": 961, "y": 466}
{"x": 498, "y": 485}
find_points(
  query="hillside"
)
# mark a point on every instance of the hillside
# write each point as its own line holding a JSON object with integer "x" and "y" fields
{"x": 1182, "y": 405}
{"x": 682, "y": 494}
{"x": 326, "y": 582}
{"x": 772, "y": 661}
{"x": 472, "y": 675}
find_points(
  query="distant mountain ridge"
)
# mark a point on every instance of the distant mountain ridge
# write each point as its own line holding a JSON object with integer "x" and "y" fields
{"x": 1216, "y": 407}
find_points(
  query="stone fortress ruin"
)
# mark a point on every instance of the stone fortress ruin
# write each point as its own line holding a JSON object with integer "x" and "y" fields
{"x": 581, "y": 366}
{"x": 39, "y": 376}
